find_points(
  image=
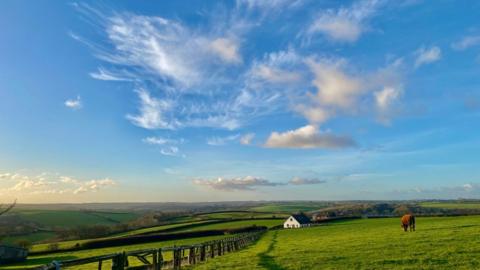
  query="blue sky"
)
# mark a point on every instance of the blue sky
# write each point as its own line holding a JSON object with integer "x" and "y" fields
{"x": 239, "y": 100}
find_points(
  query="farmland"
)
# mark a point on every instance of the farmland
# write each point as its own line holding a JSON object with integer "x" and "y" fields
{"x": 438, "y": 243}
{"x": 452, "y": 205}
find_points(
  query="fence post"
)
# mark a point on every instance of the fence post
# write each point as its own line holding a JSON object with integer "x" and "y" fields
{"x": 160, "y": 259}
{"x": 212, "y": 251}
{"x": 177, "y": 258}
{"x": 191, "y": 256}
{"x": 202, "y": 253}
{"x": 118, "y": 262}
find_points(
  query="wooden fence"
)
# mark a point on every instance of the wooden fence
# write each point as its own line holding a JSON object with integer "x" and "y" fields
{"x": 153, "y": 259}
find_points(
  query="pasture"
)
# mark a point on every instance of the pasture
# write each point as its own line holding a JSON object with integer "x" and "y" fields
{"x": 452, "y": 205}
{"x": 290, "y": 207}
{"x": 73, "y": 218}
{"x": 172, "y": 228}
{"x": 438, "y": 243}
{"x": 33, "y": 261}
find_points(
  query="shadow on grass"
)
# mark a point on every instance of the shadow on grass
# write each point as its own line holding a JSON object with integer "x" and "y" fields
{"x": 267, "y": 261}
{"x": 42, "y": 260}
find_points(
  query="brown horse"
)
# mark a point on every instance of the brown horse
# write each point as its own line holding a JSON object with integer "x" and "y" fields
{"x": 408, "y": 220}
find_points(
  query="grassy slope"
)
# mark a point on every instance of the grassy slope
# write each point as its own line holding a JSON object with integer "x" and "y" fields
{"x": 38, "y": 260}
{"x": 290, "y": 207}
{"x": 224, "y": 225}
{"x": 66, "y": 218}
{"x": 72, "y": 243}
{"x": 237, "y": 224}
{"x": 439, "y": 243}
{"x": 452, "y": 205}
{"x": 227, "y": 215}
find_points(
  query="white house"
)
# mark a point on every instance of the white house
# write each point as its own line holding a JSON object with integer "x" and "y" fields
{"x": 297, "y": 221}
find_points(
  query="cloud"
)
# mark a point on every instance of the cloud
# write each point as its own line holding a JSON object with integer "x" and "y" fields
{"x": 94, "y": 185}
{"x": 466, "y": 42}
{"x": 384, "y": 100}
{"x": 51, "y": 183}
{"x": 344, "y": 24}
{"x": 277, "y": 68}
{"x": 335, "y": 87}
{"x": 247, "y": 138}
{"x": 307, "y": 137}
{"x": 74, "y": 104}
{"x": 175, "y": 69}
{"x": 339, "y": 91}
{"x": 227, "y": 49}
{"x": 226, "y": 184}
{"x": 467, "y": 190}
{"x": 217, "y": 141}
{"x": 151, "y": 112}
{"x": 336, "y": 90}
{"x": 168, "y": 147}
{"x": 427, "y": 55}
{"x": 305, "y": 181}
{"x": 106, "y": 75}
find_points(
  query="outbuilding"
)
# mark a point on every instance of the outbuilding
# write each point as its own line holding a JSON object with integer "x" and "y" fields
{"x": 297, "y": 221}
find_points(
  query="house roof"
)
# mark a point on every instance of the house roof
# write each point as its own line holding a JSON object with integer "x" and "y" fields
{"x": 302, "y": 219}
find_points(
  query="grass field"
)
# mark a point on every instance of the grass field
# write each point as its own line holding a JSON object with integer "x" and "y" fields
{"x": 290, "y": 207}
{"x": 452, "y": 205}
{"x": 39, "y": 260}
{"x": 198, "y": 227}
{"x": 438, "y": 243}
{"x": 236, "y": 224}
{"x": 68, "y": 219}
{"x": 239, "y": 215}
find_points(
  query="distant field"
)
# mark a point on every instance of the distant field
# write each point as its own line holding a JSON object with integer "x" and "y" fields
{"x": 452, "y": 205}
{"x": 67, "y": 218}
{"x": 290, "y": 207}
{"x": 197, "y": 227}
{"x": 438, "y": 243}
{"x": 31, "y": 237}
{"x": 72, "y": 243}
{"x": 39, "y": 260}
{"x": 237, "y": 224}
{"x": 239, "y": 215}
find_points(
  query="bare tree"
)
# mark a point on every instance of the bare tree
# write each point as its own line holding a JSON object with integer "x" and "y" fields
{"x": 5, "y": 209}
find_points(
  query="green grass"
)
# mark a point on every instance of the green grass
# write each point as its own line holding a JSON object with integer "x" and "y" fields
{"x": 438, "y": 243}
{"x": 73, "y": 218}
{"x": 236, "y": 224}
{"x": 452, "y": 205}
{"x": 72, "y": 243}
{"x": 292, "y": 207}
{"x": 218, "y": 226}
{"x": 44, "y": 259}
{"x": 240, "y": 215}
{"x": 31, "y": 237}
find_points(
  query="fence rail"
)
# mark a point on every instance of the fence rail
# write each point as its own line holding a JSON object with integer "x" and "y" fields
{"x": 153, "y": 259}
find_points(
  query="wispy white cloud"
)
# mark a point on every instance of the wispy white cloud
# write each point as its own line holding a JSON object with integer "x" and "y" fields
{"x": 305, "y": 181}
{"x": 52, "y": 183}
{"x": 385, "y": 98}
{"x": 168, "y": 147}
{"x": 308, "y": 137}
{"x": 227, "y": 49}
{"x": 466, "y": 42}
{"x": 427, "y": 55}
{"x": 106, "y": 75}
{"x": 74, "y": 104}
{"x": 247, "y": 138}
{"x": 339, "y": 91}
{"x": 151, "y": 112}
{"x": 345, "y": 24}
{"x": 240, "y": 183}
{"x": 217, "y": 141}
